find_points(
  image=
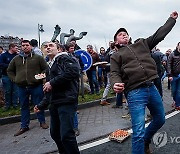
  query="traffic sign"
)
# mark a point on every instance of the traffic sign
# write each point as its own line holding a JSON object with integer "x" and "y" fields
{"x": 86, "y": 58}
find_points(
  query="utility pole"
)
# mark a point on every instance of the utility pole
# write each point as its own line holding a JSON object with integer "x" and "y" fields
{"x": 40, "y": 30}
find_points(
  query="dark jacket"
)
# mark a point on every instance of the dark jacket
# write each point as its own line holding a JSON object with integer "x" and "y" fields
{"x": 107, "y": 58}
{"x": 23, "y": 68}
{"x": 64, "y": 79}
{"x": 173, "y": 66}
{"x": 158, "y": 60}
{"x": 102, "y": 58}
{"x": 133, "y": 64}
{"x": 95, "y": 58}
{"x": 81, "y": 64}
{"x": 5, "y": 59}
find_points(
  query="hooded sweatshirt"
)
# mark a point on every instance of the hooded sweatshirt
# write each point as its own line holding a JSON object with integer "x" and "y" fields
{"x": 23, "y": 68}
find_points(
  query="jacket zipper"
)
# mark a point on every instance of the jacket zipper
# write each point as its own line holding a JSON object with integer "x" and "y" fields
{"x": 26, "y": 70}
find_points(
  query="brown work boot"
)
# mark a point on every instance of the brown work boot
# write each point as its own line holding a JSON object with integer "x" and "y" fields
{"x": 146, "y": 148}
{"x": 177, "y": 108}
{"x": 21, "y": 131}
{"x": 44, "y": 125}
{"x": 104, "y": 103}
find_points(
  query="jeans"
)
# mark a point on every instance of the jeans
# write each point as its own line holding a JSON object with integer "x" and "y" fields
{"x": 138, "y": 99}
{"x": 107, "y": 89}
{"x": 36, "y": 94}
{"x": 164, "y": 76}
{"x": 175, "y": 87}
{"x": 92, "y": 78}
{"x": 10, "y": 92}
{"x": 1, "y": 84}
{"x": 61, "y": 128}
{"x": 102, "y": 73}
{"x": 119, "y": 98}
{"x": 1, "y": 94}
{"x": 76, "y": 120}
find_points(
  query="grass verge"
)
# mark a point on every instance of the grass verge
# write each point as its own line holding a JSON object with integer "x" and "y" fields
{"x": 87, "y": 98}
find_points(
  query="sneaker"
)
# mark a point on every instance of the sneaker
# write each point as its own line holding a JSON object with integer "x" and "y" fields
{"x": 104, "y": 103}
{"x": 76, "y": 130}
{"x": 44, "y": 126}
{"x": 116, "y": 106}
{"x": 21, "y": 131}
{"x": 126, "y": 116}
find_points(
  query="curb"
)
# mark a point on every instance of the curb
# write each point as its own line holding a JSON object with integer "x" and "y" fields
{"x": 94, "y": 103}
{"x": 17, "y": 118}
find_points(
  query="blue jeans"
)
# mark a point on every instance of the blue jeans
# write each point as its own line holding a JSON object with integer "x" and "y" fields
{"x": 76, "y": 120}
{"x": 119, "y": 97}
{"x": 92, "y": 78}
{"x": 175, "y": 86}
{"x": 102, "y": 74}
{"x": 61, "y": 128}
{"x": 164, "y": 76}
{"x": 10, "y": 91}
{"x": 36, "y": 94}
{"x": 138, "y": 99}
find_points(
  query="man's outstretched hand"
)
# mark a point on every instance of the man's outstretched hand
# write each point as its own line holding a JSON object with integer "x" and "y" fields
{"x": 174, "y": 15}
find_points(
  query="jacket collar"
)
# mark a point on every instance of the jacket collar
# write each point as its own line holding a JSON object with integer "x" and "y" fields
{"x": 176, "y": 53}
{"x": 50, "y": 63}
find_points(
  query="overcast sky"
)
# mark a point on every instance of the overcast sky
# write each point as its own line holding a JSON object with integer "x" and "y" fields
{"x": 100, "y": 18}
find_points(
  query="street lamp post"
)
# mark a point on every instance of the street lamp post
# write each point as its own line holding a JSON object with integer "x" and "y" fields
{"x": 40, "y": 30}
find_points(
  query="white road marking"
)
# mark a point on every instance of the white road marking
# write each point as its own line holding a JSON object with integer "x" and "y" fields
{"x": 93, "y": 144}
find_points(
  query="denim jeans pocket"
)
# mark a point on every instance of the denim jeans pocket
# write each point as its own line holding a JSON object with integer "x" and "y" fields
{"x": 131, "y": 94}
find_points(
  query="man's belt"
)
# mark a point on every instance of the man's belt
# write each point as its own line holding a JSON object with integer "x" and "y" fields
{"x": 146, "y": 84}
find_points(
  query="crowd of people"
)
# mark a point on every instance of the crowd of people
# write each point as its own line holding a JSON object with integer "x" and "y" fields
{"x": 50, "y": 79}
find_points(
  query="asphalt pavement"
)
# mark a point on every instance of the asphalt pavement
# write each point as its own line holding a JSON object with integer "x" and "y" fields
{"x": 165, "y": 141}
{"x": 95, "y": 122}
